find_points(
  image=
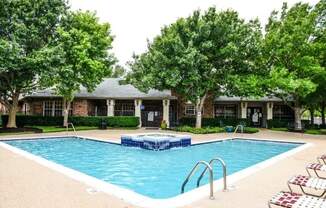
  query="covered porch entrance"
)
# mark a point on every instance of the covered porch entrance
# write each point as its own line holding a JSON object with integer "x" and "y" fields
{"x": 153, "y": 112}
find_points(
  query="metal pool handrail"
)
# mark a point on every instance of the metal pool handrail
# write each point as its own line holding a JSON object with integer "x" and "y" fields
{"x": 73, "y": 127}
{"x": 194, "y": 169}
{"x": 224, "y": 172}
{"x": 237, "y": 127}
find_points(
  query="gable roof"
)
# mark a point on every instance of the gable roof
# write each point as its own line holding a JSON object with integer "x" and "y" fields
{"x": 110, "y": 88}
{"x": 234, "y": 98}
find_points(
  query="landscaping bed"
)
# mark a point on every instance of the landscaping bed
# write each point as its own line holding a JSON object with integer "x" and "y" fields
{"x": 306, "y": 131}
{"x": 211, "y": 130}
{"x": 95, "y": 121}
{"x": 8, "y": 131}
{"x": 49, "y": 129}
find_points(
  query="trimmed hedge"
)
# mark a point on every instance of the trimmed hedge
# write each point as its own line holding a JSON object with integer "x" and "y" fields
{"x": 112, "y": 121}
{"x": 212, "y": 122}
{"x": 211, "y": 130}
{"x": 290, "y": 124}
{"x": 207, "y": 130}
{"x": 279, "y": 123}
{"x": 249, "y": 130}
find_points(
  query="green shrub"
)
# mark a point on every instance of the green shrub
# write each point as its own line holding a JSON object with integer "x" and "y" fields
{"x": 323, "y": 131}
{"x": 289, "y": 123}
{"x": 279, "y": 123}
{"x": 250, "y": 130}
{"x": 22, "y": 120}
{"x": 207, "y": 130}
{"x": 211, "y": 130}
{"x": 114, "y": 121}
{"x": 163, "y": 125}
{"x": 213, "y": 122}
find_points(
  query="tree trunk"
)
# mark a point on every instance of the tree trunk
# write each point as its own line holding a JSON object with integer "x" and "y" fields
{"x": 12, "y": 112}
{"x": 199, "y": 108}
{"x": 312, "y": 116}
{"x": 322, "y": 114}
{"x": 297, "y": 117}
{"x": 66, "y": 112}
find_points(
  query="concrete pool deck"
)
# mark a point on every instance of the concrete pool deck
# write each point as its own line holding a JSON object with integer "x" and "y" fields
{"x": 25, "y": 183}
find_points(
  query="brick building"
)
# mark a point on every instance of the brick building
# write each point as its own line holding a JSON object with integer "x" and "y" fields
{"x": 112, "y": 99}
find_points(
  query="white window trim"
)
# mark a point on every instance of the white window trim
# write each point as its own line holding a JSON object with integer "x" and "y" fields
{"x": 52, "y": 108}
{"x": 188, "y": 114}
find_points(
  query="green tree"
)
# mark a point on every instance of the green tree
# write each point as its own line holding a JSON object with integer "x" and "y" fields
{"x": 318, "y": 98}
{"x": 289, "y": 51}
{"x": 119, "y": 71}
{"x": 26, "y": 29}
{"x": 85, "y": 57}
{"x": 199, "y": 56}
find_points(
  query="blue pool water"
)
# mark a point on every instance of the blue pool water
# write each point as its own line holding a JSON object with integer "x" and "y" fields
{"x": 157, "y": 174}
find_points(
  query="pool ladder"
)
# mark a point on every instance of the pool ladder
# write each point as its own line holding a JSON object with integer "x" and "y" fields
{"x": 237, "y": 127}
{"x": 208, "y": 166}
{"x": 73, "y": 127}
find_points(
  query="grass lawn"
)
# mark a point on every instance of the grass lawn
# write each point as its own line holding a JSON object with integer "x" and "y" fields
{"x": 210, "y": 130}
{"x": 279, "y": 129}
{"x": 48, "y": 129}
{"x": 315, "y": 131}
{"x": 307, "y": 131}
{"x": 52, "y": 129}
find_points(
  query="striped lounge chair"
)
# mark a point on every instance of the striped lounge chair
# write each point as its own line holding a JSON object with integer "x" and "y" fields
{"x": 317, "y": 168}
{"x": 322, "y": 159}
{"x": 311, "y": 183}
{"x": 294, "y": 200}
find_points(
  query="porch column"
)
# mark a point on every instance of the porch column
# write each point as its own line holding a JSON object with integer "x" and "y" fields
{"x": 269, "y": 110}
{"x": 166, "y": 113}
{"x": 244, "y": 109}
{"x": 138, "y": 103}
{"x": 110, "y": 104}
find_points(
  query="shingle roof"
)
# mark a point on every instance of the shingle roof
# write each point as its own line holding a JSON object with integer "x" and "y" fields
{"x": 110, "y": 88}
{"x": 263, "y": 99}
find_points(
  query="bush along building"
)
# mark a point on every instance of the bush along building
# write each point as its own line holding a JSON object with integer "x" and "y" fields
{"x": 110, "y": 99}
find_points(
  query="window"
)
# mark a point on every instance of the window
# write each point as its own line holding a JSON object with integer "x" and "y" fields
{"x": 226, "y": 111}
{"x": 47, "y": 108}
{"x": 190, "y": 110}
{"x": 58, "y": 109}
{"x": 124, "y": 109}
{"x": 52, "y": 108}
{"x": 282, "y": 112}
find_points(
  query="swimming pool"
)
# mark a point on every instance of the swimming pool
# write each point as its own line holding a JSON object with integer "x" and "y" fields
{"x": 157, "y": 174}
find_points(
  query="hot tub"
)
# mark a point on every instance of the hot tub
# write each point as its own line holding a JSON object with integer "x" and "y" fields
{"x": 155, "y": 141}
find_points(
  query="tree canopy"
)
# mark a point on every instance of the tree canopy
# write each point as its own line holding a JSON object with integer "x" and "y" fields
{"x": 290, "y": 50}
{"x": 204, "y": 54}
{"x": 26, "y": 29}
{"x": 84, "y": 46}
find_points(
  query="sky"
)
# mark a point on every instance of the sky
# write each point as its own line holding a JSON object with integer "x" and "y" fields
{"x": 133, "y": 22}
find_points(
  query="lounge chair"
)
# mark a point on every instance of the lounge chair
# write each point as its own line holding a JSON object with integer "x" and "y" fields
{"x": 322, "y": 158}
{"x": 306, "y": 182}
{"x": 294, "y": 200}
{"x": 316, "y": 167}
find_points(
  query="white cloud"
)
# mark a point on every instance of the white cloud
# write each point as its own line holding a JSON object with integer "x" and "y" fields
{"x": 135, "y": 21}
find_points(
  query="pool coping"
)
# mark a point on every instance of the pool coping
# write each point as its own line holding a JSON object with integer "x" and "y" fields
{"x": 137, "y": 199}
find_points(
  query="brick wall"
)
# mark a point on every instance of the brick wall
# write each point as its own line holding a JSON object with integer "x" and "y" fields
{"x": 80, "y": 107}
{"x": 36, "y": 107}
{"x": 208, "y": 106}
